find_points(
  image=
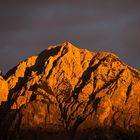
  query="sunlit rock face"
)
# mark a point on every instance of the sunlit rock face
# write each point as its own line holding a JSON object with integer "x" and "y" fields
{"x": 3, "y": 90}
{"x": 70, "y": 93}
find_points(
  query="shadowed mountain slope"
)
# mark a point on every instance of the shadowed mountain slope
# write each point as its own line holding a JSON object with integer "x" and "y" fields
{"x": 71, "y": 93}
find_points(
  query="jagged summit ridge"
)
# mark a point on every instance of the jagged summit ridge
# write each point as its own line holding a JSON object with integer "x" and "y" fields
{"x": 70, "y": 90}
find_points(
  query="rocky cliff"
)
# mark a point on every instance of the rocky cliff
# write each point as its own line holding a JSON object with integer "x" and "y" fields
{"x": 3, "y": 90}
{"x": 71, "y": 93}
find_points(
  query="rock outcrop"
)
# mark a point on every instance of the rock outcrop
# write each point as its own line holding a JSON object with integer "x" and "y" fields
{"x": 3, "y": 90}
{"x": 71, "y": 93}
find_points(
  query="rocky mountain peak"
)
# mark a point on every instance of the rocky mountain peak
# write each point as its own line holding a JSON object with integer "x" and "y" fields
{"x": 70, "y": 93}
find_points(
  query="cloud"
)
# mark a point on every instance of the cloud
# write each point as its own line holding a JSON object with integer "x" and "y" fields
{"x": 26, "y": 28}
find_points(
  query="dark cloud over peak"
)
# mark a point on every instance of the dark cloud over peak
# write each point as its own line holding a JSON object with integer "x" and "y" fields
{"x": 28, "y": 27}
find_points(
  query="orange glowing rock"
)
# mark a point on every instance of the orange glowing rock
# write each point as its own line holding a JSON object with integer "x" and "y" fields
{"x": 3, "y": 90}
{"x": 66, "y": 93}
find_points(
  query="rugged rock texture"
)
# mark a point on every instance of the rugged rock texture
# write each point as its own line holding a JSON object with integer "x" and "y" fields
{"x": 71, "y": 93}
{"x": 3, "y": 90}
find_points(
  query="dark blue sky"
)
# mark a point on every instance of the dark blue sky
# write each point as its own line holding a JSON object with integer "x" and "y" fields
{"x": 28, "y": 27}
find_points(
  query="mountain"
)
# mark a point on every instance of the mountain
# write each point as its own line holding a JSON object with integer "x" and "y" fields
{"x": 70, "y": 93}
